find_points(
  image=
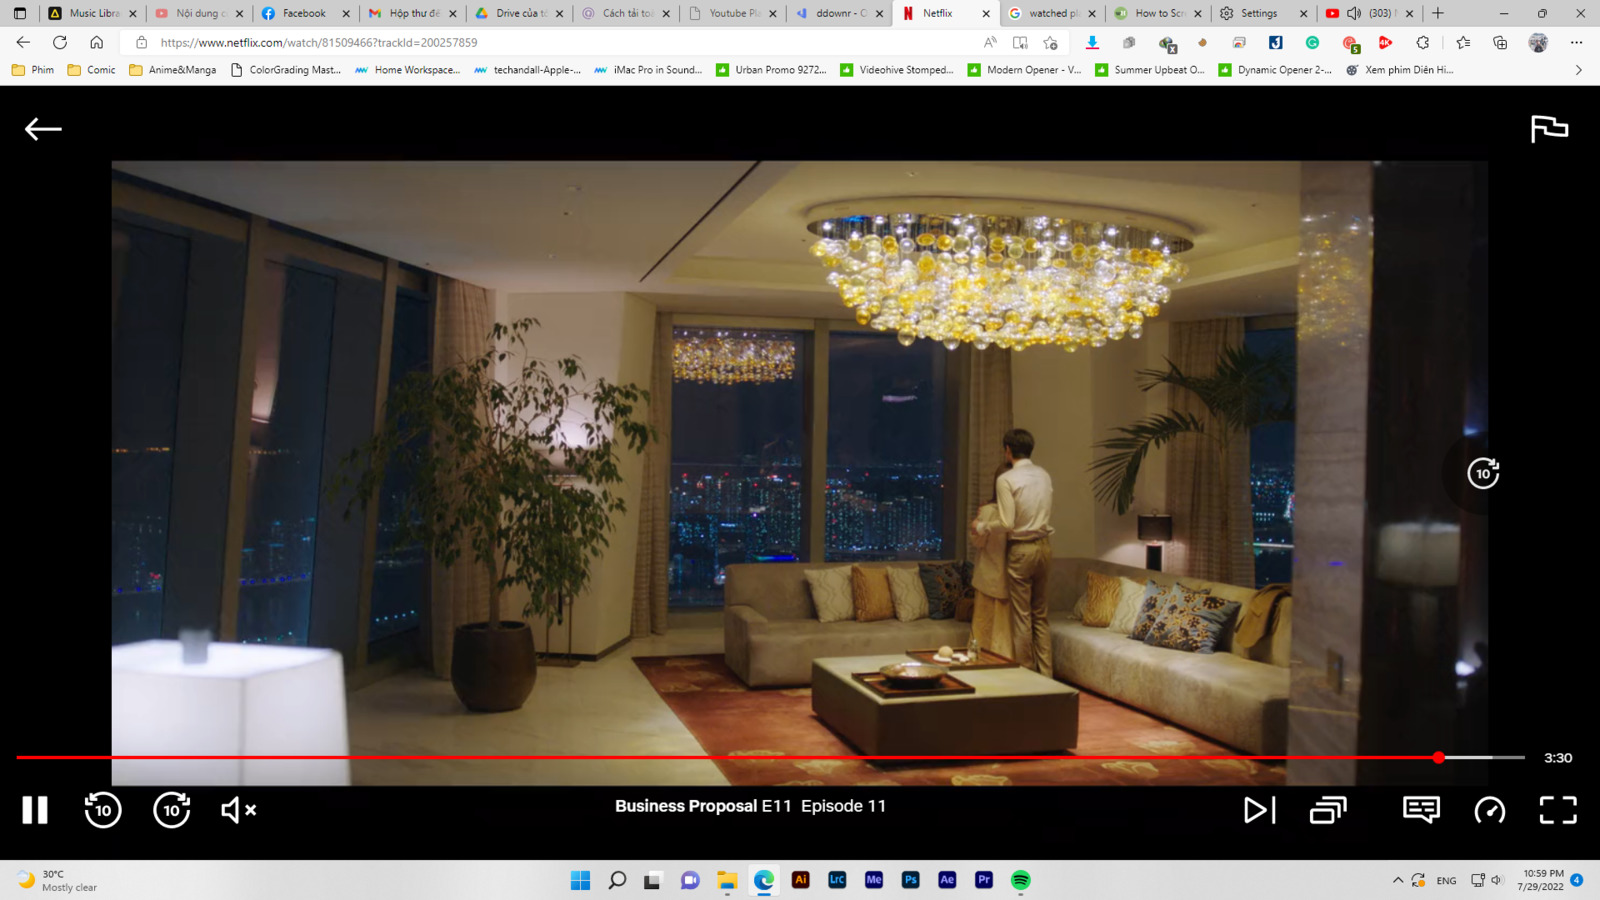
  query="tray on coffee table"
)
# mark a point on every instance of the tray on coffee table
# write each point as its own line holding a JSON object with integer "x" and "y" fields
{"x": 880, "y": 685}
{"x": 986, "y": 660}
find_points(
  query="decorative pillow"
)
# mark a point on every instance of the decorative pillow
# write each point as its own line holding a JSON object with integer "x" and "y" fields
{"x": 1128, "y": 604}
{"x": 1102, "y": 596}
{"x": 830, "y": 593}
{"x": 945, "y": 584}
{"x": 1077, "y": 608}
{"x": 870, "y": 589}
{"x": 1192, "y": 622}
{"x": 964, "y": 606}
{"x": 910, "y": 598}
{"x": 1153, "y": 605}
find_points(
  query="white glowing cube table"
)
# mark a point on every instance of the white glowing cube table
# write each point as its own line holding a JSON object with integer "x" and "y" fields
{"x": 244, "y": 700}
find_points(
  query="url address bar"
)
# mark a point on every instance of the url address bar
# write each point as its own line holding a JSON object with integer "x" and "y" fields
{"x": 733, "y": 42}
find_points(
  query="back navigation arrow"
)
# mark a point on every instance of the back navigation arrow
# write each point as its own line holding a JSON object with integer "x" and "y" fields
{"x": 1253, "y": 810}
{"x": 34, "y": 126}
{"x": 22, "y": 41}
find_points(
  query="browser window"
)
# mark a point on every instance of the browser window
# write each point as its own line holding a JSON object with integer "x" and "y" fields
{"x": 767, "y": 450}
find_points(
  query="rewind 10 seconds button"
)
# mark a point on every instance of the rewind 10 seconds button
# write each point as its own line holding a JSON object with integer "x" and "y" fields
{"x": 1490, "y": 809}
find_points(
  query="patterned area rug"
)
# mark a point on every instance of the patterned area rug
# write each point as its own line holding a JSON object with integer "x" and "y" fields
{"x": 729, "y": 719}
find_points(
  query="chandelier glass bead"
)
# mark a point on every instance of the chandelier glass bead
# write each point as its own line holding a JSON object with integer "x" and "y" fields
{"x": 721, "y": 356}
{"x": 1003, "y": 281}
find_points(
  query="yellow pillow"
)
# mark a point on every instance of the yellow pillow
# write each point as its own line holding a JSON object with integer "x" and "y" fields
{"x": 1103, "y": 594}
{"x": 870, "y": 590}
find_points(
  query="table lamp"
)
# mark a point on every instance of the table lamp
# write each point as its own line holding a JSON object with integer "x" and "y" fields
{"x": 195, "y": 698}
{"x": 1154, "y": 529}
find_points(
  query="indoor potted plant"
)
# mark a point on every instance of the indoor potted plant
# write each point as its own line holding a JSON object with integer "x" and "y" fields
{"x": 514, "y": 476}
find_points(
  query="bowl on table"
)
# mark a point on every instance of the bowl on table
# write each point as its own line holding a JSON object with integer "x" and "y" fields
{"x": 913, "y": 674}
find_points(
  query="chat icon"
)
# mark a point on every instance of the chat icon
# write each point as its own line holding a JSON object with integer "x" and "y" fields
{"x": 1424, "y": 808}
{"x": 689, "y": 881}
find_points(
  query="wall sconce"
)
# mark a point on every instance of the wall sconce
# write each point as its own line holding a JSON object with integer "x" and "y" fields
{"x": 1154, "y": 530}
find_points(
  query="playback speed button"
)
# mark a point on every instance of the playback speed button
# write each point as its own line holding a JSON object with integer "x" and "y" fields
{"x": 1490, "y": 809}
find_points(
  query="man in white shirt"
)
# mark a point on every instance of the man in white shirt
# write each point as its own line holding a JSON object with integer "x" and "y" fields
{"x": 1024, "y": 497}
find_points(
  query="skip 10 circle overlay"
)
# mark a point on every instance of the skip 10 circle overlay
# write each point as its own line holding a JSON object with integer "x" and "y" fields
{"x": 764, "y": 880}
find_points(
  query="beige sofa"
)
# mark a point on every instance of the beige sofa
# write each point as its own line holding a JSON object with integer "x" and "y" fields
{"x": 1239, "y": 697}
{"x": 772, "y": 634}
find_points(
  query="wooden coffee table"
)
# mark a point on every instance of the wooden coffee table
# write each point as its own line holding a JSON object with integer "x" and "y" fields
{"x": 1011, "y": 712}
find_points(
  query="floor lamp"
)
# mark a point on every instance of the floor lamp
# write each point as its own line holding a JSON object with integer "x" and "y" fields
{"x": 1154, "y": 530}
{"x": 549, "y": 659}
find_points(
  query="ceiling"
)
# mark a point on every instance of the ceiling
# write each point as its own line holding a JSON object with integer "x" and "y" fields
{"x": 729, "y": 237}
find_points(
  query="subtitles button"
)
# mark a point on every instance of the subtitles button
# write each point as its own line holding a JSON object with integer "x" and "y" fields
{"x": 1424, "y": 808}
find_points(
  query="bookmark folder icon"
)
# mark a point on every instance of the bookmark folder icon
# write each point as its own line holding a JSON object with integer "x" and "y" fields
{"x": 74, "y": 69}
{"x": 135, "y": 69}
{"x": 19, "y": 69}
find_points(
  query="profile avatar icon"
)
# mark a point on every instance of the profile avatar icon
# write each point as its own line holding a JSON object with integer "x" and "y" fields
{"x": 1538, "y": 42}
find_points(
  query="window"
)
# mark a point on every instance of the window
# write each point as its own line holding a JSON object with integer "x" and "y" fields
{"x": 149, "y": 297}
{"x": 293, "y": 349}
{"x": 1272, "y": 474}
{"x": 886, "y": 460}
{"x": 737, "y": 466}
{"x": 400, "y": 571}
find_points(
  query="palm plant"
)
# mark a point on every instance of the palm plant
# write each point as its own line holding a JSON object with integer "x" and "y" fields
{"x": 1247, "y": 389}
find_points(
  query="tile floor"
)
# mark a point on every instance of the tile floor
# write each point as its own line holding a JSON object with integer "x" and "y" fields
{"x": 605, "y": 707}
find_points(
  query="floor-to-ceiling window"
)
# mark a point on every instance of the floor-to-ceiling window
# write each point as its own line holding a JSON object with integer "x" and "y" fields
{"x": 293, "y": 348}
{"x": 400, "y": 568}
{"x": 886, "y": 448}
{"x": 1272, "y": 472}
{"x": 738, "y": 451}
{"x": 150, "y": 271}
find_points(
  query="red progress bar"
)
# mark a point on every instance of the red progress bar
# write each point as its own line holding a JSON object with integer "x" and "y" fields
{"x": 1434, "y": 757}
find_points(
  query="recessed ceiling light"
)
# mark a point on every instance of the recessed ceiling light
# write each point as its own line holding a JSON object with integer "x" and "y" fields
{"x": 911, "y": 174}
{"x": 552, "y": 256}
{"x": 573, "y": 188}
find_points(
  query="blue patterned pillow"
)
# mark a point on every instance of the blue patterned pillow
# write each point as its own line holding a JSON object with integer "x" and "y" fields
{"x": 1191, "y": 621}
{"x": 945, "y": 583}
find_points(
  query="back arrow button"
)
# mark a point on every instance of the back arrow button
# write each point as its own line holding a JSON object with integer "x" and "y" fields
{"x": 34, "y": 126}
{"x": 22, "y": 41}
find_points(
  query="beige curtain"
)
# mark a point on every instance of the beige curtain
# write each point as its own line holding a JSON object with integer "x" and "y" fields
{"x": 463, "y": 319}
{"x": 988, "y": 419}
{"x": 1208, "y": 496}
{"x": 650, "y": 565}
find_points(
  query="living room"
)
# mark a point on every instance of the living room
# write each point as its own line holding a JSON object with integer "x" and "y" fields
{"x": 1206, "y": 333}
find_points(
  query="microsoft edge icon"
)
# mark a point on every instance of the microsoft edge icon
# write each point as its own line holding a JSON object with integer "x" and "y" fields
{"x": 267, "y": 13}
{"x": 763, "y": 881}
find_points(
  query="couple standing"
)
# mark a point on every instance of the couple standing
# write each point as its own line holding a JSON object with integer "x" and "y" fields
{"x": 1010, "y": 614}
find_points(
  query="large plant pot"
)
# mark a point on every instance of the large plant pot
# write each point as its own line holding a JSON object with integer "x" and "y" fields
{"x": 492, "y": 669}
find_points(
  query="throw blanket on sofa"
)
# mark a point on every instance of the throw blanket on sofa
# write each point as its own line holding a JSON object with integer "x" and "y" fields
{"x": 1256, "y": 619}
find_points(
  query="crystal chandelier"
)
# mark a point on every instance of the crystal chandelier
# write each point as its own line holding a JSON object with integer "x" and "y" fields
{"x": 714, "y": 356}
{"x": 1000, "y": 280}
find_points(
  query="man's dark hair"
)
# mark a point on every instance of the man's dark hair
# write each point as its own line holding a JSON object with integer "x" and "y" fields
{"x": 1020, "y": 442}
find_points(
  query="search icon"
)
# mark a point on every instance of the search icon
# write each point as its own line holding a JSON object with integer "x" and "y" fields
{"x": 618, "y": 879}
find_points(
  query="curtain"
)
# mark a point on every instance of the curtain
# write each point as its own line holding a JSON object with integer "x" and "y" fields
{"x": 1208, "y": 496}
{"x": 463, "y": 320}
{"x": 988, "y": 419}
{"x": 650, "y": 564}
